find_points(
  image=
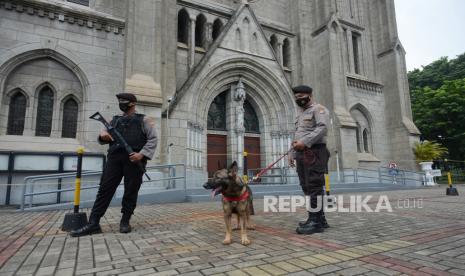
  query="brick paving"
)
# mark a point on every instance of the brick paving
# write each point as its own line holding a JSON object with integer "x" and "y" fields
{"x": 186, "y": 239}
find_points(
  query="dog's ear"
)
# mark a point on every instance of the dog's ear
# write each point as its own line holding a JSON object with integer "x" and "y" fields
{"x": 233, "y": 169}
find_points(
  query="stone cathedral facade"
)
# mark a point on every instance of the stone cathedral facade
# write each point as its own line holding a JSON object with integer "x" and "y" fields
{"x": 216, "y": 75}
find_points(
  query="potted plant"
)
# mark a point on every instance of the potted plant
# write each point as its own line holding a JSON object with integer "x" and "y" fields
{"x": 425, "y": 152}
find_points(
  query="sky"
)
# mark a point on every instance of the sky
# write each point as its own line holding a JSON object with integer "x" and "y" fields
{"x": 430, "y": 29}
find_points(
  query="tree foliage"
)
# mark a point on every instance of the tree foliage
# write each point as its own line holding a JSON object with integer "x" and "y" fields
{"x": 438, "y": 103}
{"x": 435, "y": 74}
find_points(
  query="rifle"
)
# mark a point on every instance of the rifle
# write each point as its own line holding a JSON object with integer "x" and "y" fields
{"x": 118, "y": 138}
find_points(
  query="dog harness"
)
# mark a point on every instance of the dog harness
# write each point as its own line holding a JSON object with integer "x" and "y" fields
{"x": 242, "y": 197}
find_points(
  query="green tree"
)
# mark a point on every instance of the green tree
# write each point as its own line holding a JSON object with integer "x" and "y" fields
{"x": 434, "y": 74}
{"x": 440, "y": 115}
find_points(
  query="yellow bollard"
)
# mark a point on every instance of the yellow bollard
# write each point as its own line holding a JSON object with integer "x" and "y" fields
{"x": 449, "y": 179}
{"x": 327, "y": 187}
{"x": 450, "y": 191}
{"x": 77, "y": 190}
{"x": 76, "y": 220}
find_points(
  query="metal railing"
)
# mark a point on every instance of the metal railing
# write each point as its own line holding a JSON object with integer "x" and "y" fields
{"x": 166, "y": 174}
{"x": 381, "y": 175}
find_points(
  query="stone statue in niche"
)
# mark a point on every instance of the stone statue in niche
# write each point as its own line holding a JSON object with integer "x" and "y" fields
{"x": 239, "y": 92}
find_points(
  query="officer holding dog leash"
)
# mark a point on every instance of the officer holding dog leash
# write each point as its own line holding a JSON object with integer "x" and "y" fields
{"x": 311, "y": 155}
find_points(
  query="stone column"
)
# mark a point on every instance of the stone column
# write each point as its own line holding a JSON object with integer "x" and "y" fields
{"x": 239, "y": 98}
{"x": 282, "y": 140}
{"x": 199, "y": 146}
{"x": 280, "y": 53}
{"x": 208, "y": 35}
{"x": 191, "y": 43}
{"x": 141, "y": 50}
{"x": 188, "y": 144}
{"x": 274, "y": 152}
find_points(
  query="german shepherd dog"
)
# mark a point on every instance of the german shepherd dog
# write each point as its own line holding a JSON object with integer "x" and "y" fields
{"x": 237, "y": 198}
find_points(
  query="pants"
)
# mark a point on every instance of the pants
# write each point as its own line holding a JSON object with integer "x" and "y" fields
{"x": 312, "y": 164}
{"x": 118, "y": 166}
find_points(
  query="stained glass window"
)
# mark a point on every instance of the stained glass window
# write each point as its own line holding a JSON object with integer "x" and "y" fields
{"x": 16, "y": 114}
{"x": 70, "y": 116}
{"x": 251, "y": 123}
{"x": 217, "y": 113}
{"x": 44, "y": 112}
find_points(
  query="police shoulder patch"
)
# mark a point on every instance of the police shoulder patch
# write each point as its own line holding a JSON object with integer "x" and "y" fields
{"x": 322, "y": 109}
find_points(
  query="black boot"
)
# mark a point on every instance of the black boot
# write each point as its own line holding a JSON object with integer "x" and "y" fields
{"x": 124, "y": 226}
{"x": 314, "y": 226}
{"x": 88, "y": 229}
{"x": 305, "y": 222}
{"x": 324, "y": 223}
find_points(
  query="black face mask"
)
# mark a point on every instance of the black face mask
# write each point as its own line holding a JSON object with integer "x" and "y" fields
{"x": 124, "y": 107}
{"x": 302, "y": 102}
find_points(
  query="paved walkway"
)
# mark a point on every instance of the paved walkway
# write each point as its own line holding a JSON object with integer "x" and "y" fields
{"x": 185, "y": 239}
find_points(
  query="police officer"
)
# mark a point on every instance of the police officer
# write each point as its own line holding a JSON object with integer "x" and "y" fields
{"x": 311, "y": 155}
{"x": 139, "y": 132}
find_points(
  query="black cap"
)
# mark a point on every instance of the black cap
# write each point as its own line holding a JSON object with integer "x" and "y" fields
{"x": 302, "y": 89}
{"x": 127, "y": 96}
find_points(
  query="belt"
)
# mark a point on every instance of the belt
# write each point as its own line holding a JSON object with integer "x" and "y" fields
{"x": 318, "y": 146}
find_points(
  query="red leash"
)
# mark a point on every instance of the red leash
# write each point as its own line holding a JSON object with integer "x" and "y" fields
{"x": 258, "y": 175}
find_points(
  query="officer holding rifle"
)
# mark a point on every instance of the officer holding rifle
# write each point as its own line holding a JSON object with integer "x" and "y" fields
{"x": 138, "y": 131}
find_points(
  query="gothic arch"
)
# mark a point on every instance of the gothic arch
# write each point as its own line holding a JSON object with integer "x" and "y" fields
{"x": 45, "y": 94}
{"x": 251, "y": 111}
{"x": 200, "y": 31}
{"x": 17, "y": 111}
{"x": 7, "y": 97}
{"x": 31, "y": 53}
{"x": 69, "y": 117}
{"x": 286, "y": 53}
{"x": 238, "y": 39}
{"x": 246, "y": 34}
{"x": 364, "y": 128}
{"x": 36, "y": 51}
{"x": 217, "y": 28}
{"x": 254, "y": 43}
{"x": 183, "y": 27}
{"x": 274, "y": 43}
{"x": 365, "y": 112}
{"x": 271, "y": 93}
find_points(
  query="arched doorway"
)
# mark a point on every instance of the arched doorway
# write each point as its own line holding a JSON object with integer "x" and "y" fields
{"x": 223, "y": 137}
{"x": 217, "y": 135}
{"x": 251, "y": 137}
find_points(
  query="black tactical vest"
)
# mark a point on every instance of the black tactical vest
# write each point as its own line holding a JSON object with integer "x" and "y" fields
{"x": 132, "y": 130}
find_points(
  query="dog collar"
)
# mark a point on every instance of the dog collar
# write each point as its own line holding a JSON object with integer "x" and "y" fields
{"x": 242, "y": 197}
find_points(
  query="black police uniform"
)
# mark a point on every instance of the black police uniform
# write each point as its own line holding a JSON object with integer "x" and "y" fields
{"x": 139, "y": 132}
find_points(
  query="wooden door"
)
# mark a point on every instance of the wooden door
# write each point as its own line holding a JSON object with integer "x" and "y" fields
{"x": 216, "y": 153}
{"x": 252, "y": 147}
